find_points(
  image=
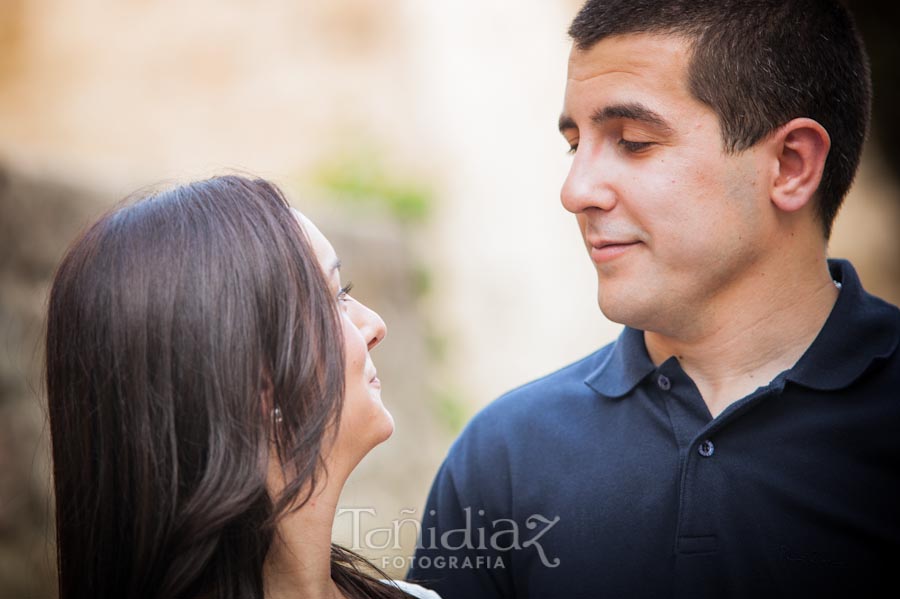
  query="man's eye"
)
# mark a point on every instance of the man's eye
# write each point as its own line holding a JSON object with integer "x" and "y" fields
{"x": 572, "y": 149}
{"x": 635, "y": 146}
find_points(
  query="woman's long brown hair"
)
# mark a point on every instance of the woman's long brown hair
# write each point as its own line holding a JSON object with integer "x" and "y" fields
{"x": 166, "y": 319}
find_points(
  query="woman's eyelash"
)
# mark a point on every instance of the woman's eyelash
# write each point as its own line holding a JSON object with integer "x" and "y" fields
{"x": 344, "y": 291}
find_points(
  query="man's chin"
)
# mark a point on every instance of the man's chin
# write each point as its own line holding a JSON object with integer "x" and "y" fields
{"x": 625, "y": 309}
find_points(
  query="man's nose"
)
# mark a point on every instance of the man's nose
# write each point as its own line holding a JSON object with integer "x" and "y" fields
{"x": 588, "y": 184}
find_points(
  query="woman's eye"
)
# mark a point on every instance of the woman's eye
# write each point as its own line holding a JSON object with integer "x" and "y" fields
{"x": 572, "y": 149}
{"x": 635, "y": 146}
{"x": 344, "y": 292}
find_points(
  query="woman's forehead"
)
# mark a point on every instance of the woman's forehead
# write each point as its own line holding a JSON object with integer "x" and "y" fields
{"x": 323, "y": 249}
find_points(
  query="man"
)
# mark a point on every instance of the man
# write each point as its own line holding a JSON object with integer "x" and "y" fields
{"x": 740, "y": 438}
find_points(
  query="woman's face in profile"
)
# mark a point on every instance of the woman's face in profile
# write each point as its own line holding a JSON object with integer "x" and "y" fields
{"x": 365, "y": 422}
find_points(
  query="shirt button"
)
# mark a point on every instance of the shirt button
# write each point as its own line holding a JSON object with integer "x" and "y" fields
{"x": 664, "y": 383}
{"x": 706, "y": 448}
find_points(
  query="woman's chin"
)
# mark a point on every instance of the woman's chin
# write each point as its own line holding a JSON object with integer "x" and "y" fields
{"x": 385, "y": 426}
{"x": 382, "y": 423}
{"x": 379, "y": 429}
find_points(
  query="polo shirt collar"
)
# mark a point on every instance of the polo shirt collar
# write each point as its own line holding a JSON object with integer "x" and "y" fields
{"x": 859, "y": 330}
{"x": 623, "y": 367}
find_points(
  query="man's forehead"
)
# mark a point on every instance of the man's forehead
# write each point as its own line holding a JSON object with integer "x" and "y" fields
{"x": 631, "y": 53}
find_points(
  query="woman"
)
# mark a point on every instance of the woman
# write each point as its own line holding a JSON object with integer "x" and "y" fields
{"x": 210, "y": 389}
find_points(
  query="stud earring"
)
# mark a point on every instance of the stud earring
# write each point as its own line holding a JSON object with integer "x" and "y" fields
{"x": 277, "y": 418}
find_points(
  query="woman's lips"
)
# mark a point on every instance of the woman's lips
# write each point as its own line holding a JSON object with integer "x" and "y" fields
{"x": 606, "y": 251}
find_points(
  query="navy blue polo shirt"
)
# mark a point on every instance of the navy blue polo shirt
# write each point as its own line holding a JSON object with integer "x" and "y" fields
{"x": 610, "y": 478}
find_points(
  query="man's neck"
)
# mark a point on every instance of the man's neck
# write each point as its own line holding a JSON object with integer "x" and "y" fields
{"x": 753, "y": 332}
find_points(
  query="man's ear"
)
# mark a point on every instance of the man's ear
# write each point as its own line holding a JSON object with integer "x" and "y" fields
{"x": 801, "y": 146}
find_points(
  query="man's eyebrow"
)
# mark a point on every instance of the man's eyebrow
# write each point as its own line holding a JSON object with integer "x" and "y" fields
{"x": 566, "y": 122}
{"x": 631, "y": 111}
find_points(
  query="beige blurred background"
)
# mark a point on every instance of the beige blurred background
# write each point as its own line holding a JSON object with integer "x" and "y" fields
{"x": 420, "y": 135}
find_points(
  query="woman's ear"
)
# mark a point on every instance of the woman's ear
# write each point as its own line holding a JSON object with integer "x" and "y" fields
{"x": 266, "y": 392}
{"x": 801, "y": 146}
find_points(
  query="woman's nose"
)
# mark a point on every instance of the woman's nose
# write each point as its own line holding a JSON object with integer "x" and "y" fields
{"x": 370, "y": 325}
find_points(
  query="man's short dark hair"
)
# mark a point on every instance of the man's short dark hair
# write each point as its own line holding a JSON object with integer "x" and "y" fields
{"x": 758, "y": 64}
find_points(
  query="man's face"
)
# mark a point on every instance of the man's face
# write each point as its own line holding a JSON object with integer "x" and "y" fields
{"x": 670, "y": 220}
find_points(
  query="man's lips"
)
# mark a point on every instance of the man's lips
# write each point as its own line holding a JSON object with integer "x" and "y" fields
{"x": 606, "y": 250}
